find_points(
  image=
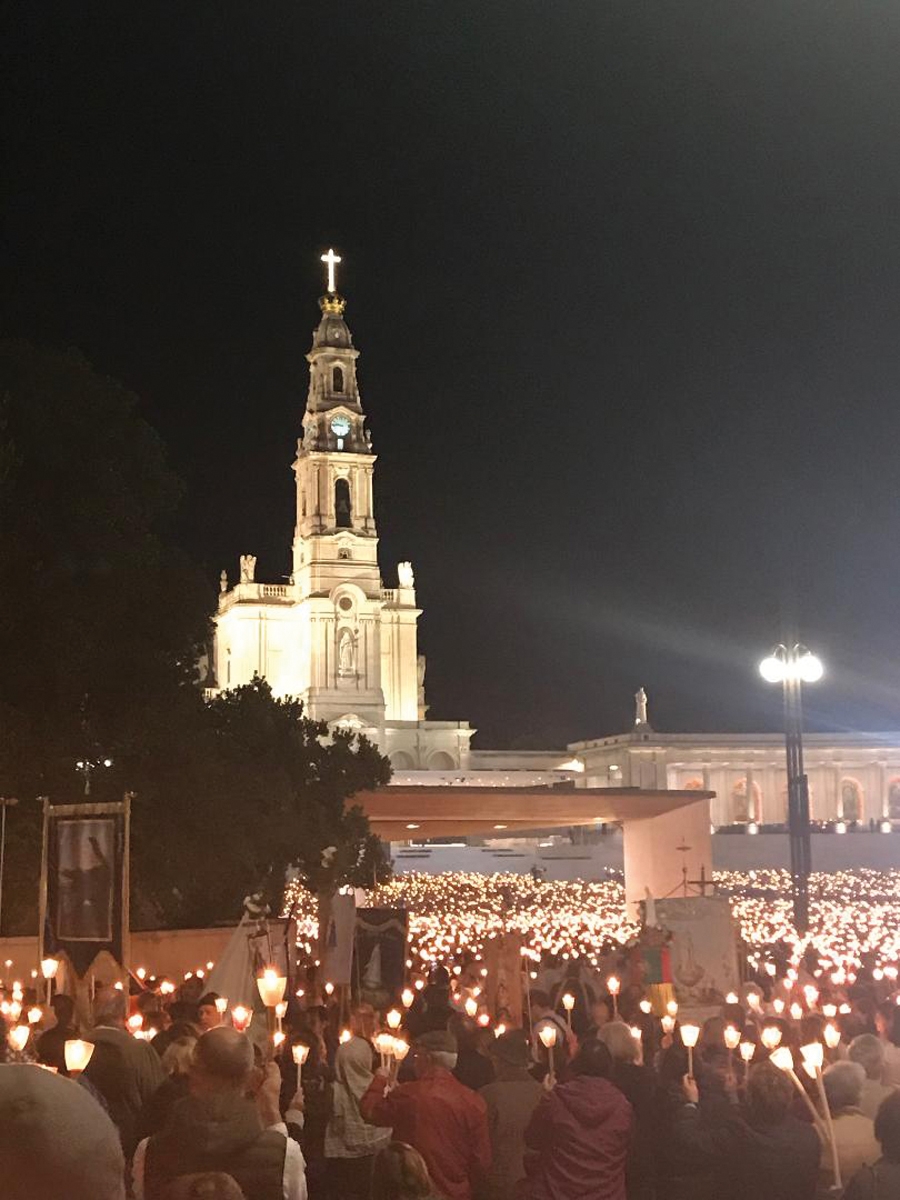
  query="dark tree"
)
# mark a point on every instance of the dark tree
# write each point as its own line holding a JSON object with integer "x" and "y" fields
{"x": 225, "y": 805}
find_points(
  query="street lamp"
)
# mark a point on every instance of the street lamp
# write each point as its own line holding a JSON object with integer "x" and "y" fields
{"x": 792, "y": 668}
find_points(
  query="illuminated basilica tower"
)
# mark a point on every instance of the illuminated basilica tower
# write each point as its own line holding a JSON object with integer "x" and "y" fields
{"x": 334, "y": 636}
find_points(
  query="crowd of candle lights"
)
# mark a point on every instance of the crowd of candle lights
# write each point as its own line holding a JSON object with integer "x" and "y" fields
{"x": 854, "y": 916}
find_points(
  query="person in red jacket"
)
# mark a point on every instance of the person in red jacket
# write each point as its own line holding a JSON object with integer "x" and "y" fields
{"x": 580, "y": 1134}
{"x": 437, "y": 1115}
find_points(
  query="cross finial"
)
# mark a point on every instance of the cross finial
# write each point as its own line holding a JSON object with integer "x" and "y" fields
{"x": 331, "y": 259}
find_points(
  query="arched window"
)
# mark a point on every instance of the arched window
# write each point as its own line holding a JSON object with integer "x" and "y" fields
{"x": 343, "y": 517}
{"x": 851, "y": 800}
{"x": 441, "y": 761}
{"x": 337, "y": 380}
{"x": 401, "y": 761}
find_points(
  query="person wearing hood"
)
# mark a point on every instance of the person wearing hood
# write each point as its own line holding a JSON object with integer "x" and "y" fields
{"x": 221, "y": 1126}
{"x": 350, "y": 1142}
{"x": 511, "y": 1099}
{"x": 778, "y": 1154}
{"x": 580, "y": 1134}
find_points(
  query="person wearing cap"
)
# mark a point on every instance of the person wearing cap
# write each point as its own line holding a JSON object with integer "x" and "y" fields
{"x": 437, "y": 1115}
{"x": 511, "y": 1100}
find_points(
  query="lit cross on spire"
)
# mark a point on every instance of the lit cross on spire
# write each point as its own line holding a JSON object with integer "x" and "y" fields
{"x": 332, "y": 260}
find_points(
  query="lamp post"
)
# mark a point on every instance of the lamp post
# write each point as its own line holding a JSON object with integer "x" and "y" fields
{"x": 792, "y": 668}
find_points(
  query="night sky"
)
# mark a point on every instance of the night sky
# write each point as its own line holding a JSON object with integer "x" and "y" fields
{"x": 625, "y": 278}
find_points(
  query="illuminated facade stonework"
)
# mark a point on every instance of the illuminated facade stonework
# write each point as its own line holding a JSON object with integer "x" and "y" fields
{"x": 334, "y": 636}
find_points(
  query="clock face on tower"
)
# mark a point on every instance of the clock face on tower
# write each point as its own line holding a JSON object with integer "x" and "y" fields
{"x": 340, "y": 426}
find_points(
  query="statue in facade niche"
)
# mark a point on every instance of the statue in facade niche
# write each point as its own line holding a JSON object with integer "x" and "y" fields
{"x": 346, "y": 654}
{"x": 405, "y": 576}
{"x": 248, "y": 568}
{"x": 421, "y": 664}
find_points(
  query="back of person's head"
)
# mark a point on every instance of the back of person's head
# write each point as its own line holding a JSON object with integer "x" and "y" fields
{"x": 617, "y": 1037}
{"x": 593, "y": 1059}
{"x": 769, "y": 1094}
{"x": 223, "y": 1058}
{"x": 64, "y": 1008}
{"x": 887, "y": 1126}
{"x": 363, "y": 1021}
{"x": 464, "y": 1029}
{"x": 55, "y": 1140}
{"x": 211, "y": 1185}
{"x": 868, "y": 1051}
{"x": 178, "y": 1056}
{"x": 183, "y": 1011}
{"x": 111, "y": 1010}
{"x": 436, "y": 1047}
{"x": 399, "y": 1173}
{"x": 843, "y": 1085}
{"x": 539, "y": 1000}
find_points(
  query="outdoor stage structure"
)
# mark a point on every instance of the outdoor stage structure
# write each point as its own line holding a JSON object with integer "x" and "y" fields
{"x": 666, "y": 834}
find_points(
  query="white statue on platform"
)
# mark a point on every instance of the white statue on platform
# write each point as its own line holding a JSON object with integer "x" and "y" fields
{"x": 640, "y": 707}
{"x": 248, "y": 568}
{"x": 405, "y": 576}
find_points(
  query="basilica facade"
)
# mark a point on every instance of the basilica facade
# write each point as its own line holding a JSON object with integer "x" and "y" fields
{"x": 337, "y": 638}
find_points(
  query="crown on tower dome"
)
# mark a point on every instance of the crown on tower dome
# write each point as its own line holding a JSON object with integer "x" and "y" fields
{"x": 332, "y": 304}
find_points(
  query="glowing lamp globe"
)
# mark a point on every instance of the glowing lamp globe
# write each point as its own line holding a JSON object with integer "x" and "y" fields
{"x": 241, "y": 1018}
{"x": 813, "y": 1055}
{"x": 547, "y": 1034}
{"x": 394, "y": 1017}
{"x": 810, "y": 668}
{"x": 732, "y": 1037}
{"x": 772, "y": 669}
{"x": 49, "y": 967}
{"x": 78, "y": 1054}
{"x": 271, "y": 987}
{"x": 300, "y": 1053}
{"x": 690, "y": 1035}
{"x": 19, "y": 1036}
{"x": 782, "y": 1059}
{"x": 748, "y": 1049}
{"x": 770, "y": 1037}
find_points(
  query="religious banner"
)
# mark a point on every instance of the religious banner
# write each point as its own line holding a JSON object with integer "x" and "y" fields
{"x": 503, "y": 982}
{"x": 339, "y": 938}
{"x": 702, "y": 948}
{"x": 380, "y": 951}
{"x": 84, "y": 882}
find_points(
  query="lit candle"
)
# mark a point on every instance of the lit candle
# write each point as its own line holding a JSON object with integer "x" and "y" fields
{"x": 271, "y": 987}
{"x": 394, "y": 1018}
{"x": 241, "y": 1018}
{"x": 690, "y": 1035}
{"x": 77, "y": 1054}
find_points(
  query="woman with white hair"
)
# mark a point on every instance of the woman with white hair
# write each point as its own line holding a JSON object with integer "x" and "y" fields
{"x": 638, "y": 1085}
{"x": 854, "y": 1133}
{"x": 350, "y": 1143}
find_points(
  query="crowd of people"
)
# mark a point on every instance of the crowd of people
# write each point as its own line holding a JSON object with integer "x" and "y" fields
{"x": 599, "y": 1094}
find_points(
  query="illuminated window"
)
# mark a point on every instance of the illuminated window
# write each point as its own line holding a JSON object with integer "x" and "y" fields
{"x": 342, "y": 512}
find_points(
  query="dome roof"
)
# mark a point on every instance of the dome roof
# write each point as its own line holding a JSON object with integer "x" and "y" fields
{"x": 333, "y": 331}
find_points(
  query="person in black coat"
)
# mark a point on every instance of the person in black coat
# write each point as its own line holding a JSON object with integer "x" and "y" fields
{"x": 778, "y": 1154}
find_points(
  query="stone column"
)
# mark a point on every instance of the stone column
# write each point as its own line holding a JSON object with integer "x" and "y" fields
{"x": 838, "y": 795}
{"x": 752, "y": 814}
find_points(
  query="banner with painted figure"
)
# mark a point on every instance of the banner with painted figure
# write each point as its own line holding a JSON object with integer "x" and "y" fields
{"x": 379, "y": 955}
{"x": 339, "y": 938}
{"x": 84, "y": 882}
{"x": 702, "y": 948}
{"x": 503, "y": 982}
